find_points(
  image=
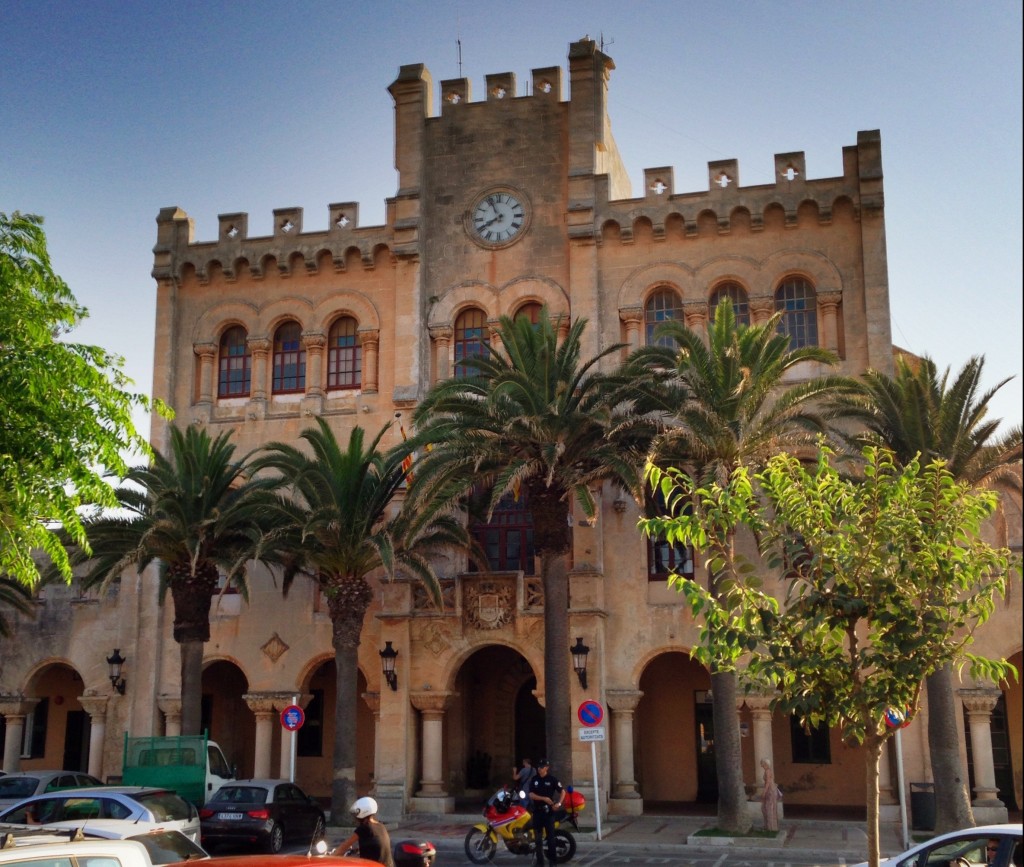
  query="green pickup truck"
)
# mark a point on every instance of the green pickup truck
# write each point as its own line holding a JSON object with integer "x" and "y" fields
{"x": 191, "y": 765}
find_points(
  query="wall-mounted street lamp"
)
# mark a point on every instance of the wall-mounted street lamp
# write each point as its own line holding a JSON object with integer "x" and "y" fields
{"x": 116, "y": 661}
{"x": 387, "y": 664}
{"x": 579, "y": 653}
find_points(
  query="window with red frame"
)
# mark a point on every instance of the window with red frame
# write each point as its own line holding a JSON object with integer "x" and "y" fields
{"x": 344, "y": 355}
{"x": 471, "y": 341}
{"x": 507, "y": 538}
{"x": 734, "y": 293}
{"x": 289, "y": 359}
{"x": 235, "y": 364}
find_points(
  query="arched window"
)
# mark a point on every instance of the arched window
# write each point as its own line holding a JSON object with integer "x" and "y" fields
{"x": 737, "y": 295}
{"x": 531, "y": 311}
{"x": 289, "y": 359}
{"x": 344, "y": 355}
{"x": 662, "y": 306}
{"x": 471, "y": 341}
{"x": 234, "y": 378}
{"x": 508, "y": 537}
{"x": 663, "y": 557}
{"x": 795, "y": 298}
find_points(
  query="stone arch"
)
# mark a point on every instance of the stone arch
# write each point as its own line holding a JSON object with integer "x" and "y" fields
{"x": 533, "y": 655}
{"x": 740, "y": 269}
{"x": 457, "y": 298}
{"x": 289, "y": 308}
{"x": 230, "y": 721}
{"x": 808, "y": 212}
{"x": 642, "y": 281}
{"x": 611, "y": 231}
{"x": 675, "y": 226}
{"x": 60, "y": 722}
{"x": 540, "y": 289}
{"x": 844, "y": 209}
{"x": 740, "y": 219}
{"x": 819, "y": 269}
{"x": 345, "y": 302}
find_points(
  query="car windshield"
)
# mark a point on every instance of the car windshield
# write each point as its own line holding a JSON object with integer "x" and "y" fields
{"x": 169, "y": 847}
{"x": 165, "y": 806}
{"x": 17, "y": 787}
{"x": 240, "y": 795}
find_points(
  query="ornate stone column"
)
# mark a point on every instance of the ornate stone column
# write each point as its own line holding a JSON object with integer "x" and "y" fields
{"x": 828, "y": 303}
{"x": 761, "y": 309}
{"x": 207, "y": 353}
{"x": 432, "y": 706}
{"x": 315, "y": 343}
{"x": 625, "y": 798}
{"x": 370, "y": 342}
{"x": 262, "y": 706}
{"x": 170, "y": 705}
{"x": 96, "y": 707}
{"x": 980, "y": 704}
{"x": 14, "y": 709}
{"x": 442, "y": 337}
{"x": 695, "y": 314}
{"x": 633, "y": 319}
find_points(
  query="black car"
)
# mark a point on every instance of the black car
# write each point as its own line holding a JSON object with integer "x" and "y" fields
{"x": 260, "y": 813}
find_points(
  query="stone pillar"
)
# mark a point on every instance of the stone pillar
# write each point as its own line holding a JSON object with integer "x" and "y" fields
{"x": 96, "y": 707}
{"x": 980, "y": 704}
{"x": 625, "y": 799}
{"x": 761, "y": 714}
{"x": 370, "y": 342}
{"x": 432, "y": 796}
{"x": 761, "y": 309}
{"x": 260, "y": 349}
{"x": 828, "y": 304}
{"x": 372, "y": 700}
{"x": 695, "y": 314}
{"x": 633, "y": 319}
{"x": 207, "y": 353}
{"x": 263, "y": 707}
{"x": 315, "y": 343}
{"x": 170, "y": 705}
{"x": 442, "y": 337}
{"x": 14, "y": 709}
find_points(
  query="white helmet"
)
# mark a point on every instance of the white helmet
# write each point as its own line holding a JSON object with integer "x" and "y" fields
{"x": 364, "y": 808}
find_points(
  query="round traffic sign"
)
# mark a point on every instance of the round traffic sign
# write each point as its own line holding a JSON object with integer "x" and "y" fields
{"x": 590, "y": 713}
{"x": 292, "y": 717}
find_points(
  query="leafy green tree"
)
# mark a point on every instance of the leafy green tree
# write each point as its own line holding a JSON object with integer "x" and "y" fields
{"x": 920, "y": 413}
{"x": 739, "y": 409}
{"x": 337, "y": 526}
{"x": 535, "y": 417}
{"x": 884, "y": 581}
{"x": 196, "y": 513}
{"x": 65, "y": 413}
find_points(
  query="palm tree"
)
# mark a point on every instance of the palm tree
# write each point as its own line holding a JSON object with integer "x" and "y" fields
{"x": 336, "y": 525}
{"x": 918, "y": 412}
{"x": 195, "y": 512}
{"x": 738, "y": 411}
{"x": 531, "y": 417}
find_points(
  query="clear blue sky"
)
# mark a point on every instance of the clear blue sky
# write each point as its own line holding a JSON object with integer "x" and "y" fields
{"x": 111, "y": 110}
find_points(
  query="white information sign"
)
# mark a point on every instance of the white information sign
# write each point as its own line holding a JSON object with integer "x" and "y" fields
{"x": 594, "y": 734}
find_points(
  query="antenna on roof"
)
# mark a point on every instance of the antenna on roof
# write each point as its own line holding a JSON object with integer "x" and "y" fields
{"x": 603, "y": 43}
{"x": 458, "y": 42}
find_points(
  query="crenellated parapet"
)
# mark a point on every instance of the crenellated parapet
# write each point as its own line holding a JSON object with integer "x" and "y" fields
{"x": 287, "y": 252}
{"x": 726, "y": 204}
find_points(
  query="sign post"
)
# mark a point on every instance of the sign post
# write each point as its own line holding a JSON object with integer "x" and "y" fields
{"x": 292, "y": 718}
{"x": 591, "y": 715}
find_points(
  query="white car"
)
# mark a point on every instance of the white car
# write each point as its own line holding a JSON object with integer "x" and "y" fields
{"x": 156, "y": 807}
{"x": 109, "y": 853}
{"x": 164, "y": 847}
{"x": 984, "y": 846}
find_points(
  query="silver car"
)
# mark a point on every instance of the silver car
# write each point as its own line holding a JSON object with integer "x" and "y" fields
{"x": 134, "y": 803}
{"x": 17, "y": 787}
{"x": 984, "y": 846}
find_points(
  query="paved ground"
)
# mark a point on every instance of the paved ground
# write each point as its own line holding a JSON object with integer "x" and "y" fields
{"x": 813, "y": 837}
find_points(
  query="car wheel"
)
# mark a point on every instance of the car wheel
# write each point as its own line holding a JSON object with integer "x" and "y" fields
{"x": 275, "y": 839}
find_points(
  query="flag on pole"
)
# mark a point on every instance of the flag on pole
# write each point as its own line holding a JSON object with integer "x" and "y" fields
{"x": 408, "y": 459}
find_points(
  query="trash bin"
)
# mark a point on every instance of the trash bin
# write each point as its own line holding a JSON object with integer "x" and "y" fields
{"x": 414, "y": 853}
{"x": 922, "y": 806}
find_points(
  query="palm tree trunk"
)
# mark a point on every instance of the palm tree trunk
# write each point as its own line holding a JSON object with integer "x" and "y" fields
{"x": 557, "y": 723}
{"x": 733, "y": 812}
{"x": 952, "y": 799}
{"x": 191, "y": 651}
{"x": 343, "y": 782}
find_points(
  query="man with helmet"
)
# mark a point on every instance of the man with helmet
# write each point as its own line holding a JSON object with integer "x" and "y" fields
{"x": 372, "y": 836}
{"x": 545, "y": 796}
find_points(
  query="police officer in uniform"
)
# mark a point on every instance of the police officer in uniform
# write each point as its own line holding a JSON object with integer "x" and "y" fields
{"x": 545, "y": 796}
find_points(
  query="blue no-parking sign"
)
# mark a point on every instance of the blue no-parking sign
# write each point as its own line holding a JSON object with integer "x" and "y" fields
{"x": 292, "y": 717}
{"x": 590, "y": 713}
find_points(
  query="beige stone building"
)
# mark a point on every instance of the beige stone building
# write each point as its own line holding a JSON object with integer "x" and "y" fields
{"x": 505, "y": 202}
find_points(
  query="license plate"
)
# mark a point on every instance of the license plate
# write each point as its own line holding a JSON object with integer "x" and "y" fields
{"x": 229, "y": 816}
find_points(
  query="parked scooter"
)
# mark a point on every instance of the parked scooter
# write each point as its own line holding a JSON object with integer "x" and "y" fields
{"x": 510, "y": 823}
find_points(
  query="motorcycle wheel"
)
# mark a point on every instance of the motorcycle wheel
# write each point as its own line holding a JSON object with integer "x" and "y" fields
{"x": 565, "y": 846}
{"x": 481, "y": 846}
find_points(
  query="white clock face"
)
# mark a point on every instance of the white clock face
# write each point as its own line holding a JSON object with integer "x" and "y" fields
{"x": 498, "y": 218}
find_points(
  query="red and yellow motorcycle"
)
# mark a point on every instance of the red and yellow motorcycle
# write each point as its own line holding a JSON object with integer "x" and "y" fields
{"x": 510, "y": 823}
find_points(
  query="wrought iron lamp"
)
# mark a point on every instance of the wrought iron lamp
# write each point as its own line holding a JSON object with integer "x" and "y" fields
{"x": 115, "y": 661}
{"x": 387, "y": 663}
{"x": 579, "y": 653}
